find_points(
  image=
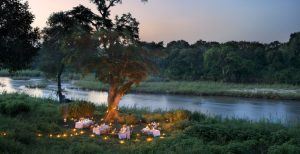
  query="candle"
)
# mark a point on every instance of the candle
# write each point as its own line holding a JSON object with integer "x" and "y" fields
{"x": 149, "y": 139}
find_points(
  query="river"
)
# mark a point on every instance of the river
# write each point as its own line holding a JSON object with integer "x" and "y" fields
{"x": 231, "y": 107}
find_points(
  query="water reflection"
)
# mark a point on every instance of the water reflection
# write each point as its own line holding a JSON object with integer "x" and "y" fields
{"x": 252, "y": 109}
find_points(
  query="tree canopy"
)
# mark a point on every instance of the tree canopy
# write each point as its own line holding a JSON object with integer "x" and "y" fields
{"x": 66, "y": 33}
{"x": 18, "y": 39}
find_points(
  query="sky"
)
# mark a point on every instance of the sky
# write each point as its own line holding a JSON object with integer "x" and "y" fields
{"x": 191, "y": 20}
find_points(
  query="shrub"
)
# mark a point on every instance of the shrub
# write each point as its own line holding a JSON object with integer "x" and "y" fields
{"x": 24, "y": 136}
{"x": 130, "y": 119}
{"x": 284, "y": 148}
{"x": 153, "y": 117}
{"x": 180, "y": 115}
{"x": 78, "y": 110}
{"x": 14, "y": 108}
{"x": 10, "y": 146}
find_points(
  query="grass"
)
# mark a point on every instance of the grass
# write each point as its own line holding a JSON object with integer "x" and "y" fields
{"x": 27, "y": 122}
{"x": 22, "y": 74}
{"x": 207, "y": 88}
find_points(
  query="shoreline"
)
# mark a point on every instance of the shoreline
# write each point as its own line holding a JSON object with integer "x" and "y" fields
{"x": 222, "y": 93}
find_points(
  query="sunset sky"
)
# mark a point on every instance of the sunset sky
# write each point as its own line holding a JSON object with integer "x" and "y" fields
{"x": 191, "y": 20}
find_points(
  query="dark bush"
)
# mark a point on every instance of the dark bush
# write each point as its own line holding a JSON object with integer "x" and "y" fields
{"x": 284, "y": 149}
{"x": 10, "y": 146}
{"x": 14, "y": 108}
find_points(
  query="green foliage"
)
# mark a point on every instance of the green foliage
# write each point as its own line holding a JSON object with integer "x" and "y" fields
{"x": 13, "y": 108}
{"x": 10, "y": 146}
{"x": 18, "y": 40}
{"x": 233, "y": 61}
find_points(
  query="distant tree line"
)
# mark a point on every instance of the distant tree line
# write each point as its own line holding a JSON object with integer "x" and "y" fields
{"x": 232, "y": 61}
{"x": 68, "y": 32}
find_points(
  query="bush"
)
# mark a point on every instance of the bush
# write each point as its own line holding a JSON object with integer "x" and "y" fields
{"x": 14, "y": 108}
{"x": 78, "y": 110}
{"x": 153, "y": 117}
{"x": 284, "y": 148}
{"x": 10, "y": 146}
{"x": 130, "y": 119}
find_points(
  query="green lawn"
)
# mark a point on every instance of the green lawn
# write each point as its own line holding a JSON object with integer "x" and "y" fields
{"x": 27, "y": 122}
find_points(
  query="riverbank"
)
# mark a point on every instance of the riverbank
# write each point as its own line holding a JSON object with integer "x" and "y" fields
{"x": 21, "y": 75}
{"x": 198, "y": 88}
{"x": 26, "y": 125}
{"x": 206, "y": 88}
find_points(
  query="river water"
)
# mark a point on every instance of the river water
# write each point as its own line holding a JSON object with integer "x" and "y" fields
{"x": 231, "y": 107}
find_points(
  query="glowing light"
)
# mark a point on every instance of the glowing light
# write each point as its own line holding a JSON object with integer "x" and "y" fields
{"x": 138, "y": 135}
{"x": 58, "y": 136}
{"x": 50, "y": 135}
{"x": 81, "y": 132}
{"x": 39, "y": 135}
{"x": 76, "y": 134}
{"x": 122, "y": 142}
{"x": 4, "y": 134}
{"x": 149, "y": 139}
{"x": 65, "y": 135}
{"x": 164, "y": 134}
{"x": 65, "y": 119}
{"x": 92, "y": 136}
{"x": 71, "y": 135}
{"x": 105, "y": 138}
{"x": 161, "y": 137}
{"x": 74, "y": 130}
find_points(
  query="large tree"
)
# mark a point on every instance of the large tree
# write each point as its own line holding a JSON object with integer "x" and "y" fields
{"x": 121, "y": 60}
{"x": 66, "y": 33}
{"x": 18, "y": 40}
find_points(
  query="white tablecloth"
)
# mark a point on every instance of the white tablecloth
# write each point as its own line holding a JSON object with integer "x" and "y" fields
{"x": 155, "y": 133}
{"x": 125, "y": 135}
{"x": 100, "y": 129}
{"x": 83, "y": 124}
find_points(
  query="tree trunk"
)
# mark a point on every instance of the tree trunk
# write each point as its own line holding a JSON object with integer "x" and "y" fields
{"x": 113, "y": 100}
{"x": 114, "y": 96}
{"x": 59, "y": 89}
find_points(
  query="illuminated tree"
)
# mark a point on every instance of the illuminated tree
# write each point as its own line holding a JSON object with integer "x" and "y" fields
{"x": 121, "y": 60}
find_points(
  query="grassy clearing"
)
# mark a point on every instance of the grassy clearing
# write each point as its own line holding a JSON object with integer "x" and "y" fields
{"x": 26, "y": 125}
{"x": 206, "y": 88}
